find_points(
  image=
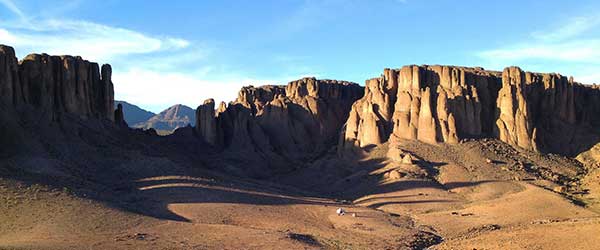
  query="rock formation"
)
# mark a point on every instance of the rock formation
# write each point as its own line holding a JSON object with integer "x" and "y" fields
{"x": 56, "y": 85}
{"x": 119, "y": 117}
{"x": 426, "y": 103}
{"x": 294, "y": 121}
{"x": 546, "y": 112}
{"x": 206, "y": 122}
{"x": 534, "y": 111}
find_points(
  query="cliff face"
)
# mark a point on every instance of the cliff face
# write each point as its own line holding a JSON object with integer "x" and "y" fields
{"x": 534, "y": 111}
{"x": 546, "y": 112}
{"x": 293, "y": 121}
{"x": 426, "y": 103}
{"x": 543, "y": 112}
{"x": 56, "y": 84}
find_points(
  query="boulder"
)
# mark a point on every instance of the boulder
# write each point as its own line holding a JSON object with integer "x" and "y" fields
{"x": 407, "y": 159}
{"x": 393, "y": 175}
{"x": 395, "y": 153}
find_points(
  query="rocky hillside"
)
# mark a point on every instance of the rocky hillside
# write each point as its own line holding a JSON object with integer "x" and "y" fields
{"x": 176, "y": 116}
{"x": 534, "y": 111}
{"x": 280, "y": 123}
{"x": 134, "y": 114}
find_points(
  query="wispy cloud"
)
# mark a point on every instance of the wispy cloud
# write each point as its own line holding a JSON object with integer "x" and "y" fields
{"x": 573, "y": 28}
{"x": 575, "y": 45}
{"x": 94, "y": 41}
{"x": 10, "y": 5}
{"x": 570, "y": 51}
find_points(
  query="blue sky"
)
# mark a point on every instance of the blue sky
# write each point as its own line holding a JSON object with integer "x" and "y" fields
{"x": 168, "y": 52}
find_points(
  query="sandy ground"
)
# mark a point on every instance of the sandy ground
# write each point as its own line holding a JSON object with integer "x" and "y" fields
{"x": 475, "y": 195}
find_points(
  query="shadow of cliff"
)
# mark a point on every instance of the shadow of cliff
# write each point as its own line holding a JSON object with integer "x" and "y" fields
{"x": 97, "y": 160}
{"x": 279, "y": 139}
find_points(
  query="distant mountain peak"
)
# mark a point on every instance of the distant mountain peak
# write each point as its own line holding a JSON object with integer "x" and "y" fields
{"x": 170, "y": 119}
{"x": 134, "y": 114}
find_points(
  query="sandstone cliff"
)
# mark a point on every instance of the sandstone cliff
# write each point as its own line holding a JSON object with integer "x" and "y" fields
{"x": 543, "y": 112}
{"x": 426, "y": 103}
{"x": 56, "y": 84}
{"x": 292, "y": 122}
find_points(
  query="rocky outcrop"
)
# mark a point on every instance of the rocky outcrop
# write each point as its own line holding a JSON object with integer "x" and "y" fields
{"x": 543, "y": 112}
{"x": 119, "y": 117}
{"x": 206, "y": 122}
{"x": 546, "y": 112}
{"x": 290, "y": 122}
{"x": 369, "y": 120}
{"x": 9, "y": 76}
{"x": 56, "y": 84}
{"x": 513, "y": 124}
{"x": 426, "y": 103}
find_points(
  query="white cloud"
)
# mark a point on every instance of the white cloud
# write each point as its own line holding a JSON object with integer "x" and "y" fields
{"x": 572, "y": 51}
{"x": 159, "y": 90}
{"x": 574, "y": 27}
{"x": 92, "y": 41}
{"x": 572, "y": 48}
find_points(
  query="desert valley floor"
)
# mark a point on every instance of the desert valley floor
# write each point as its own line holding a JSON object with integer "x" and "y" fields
{"x": 475, "y": 195}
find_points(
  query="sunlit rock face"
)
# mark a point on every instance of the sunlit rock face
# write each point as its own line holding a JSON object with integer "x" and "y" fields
{"x": 534, "y": 111}
{"x": 546, "y": 112}
{"x": 56, "y": 85}
{"x": 426, "y": 103}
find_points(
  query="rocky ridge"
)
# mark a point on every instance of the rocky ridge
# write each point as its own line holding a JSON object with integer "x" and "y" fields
{"x": 534, "y": 111}
{"x": 56, "y": 85}
{"x": 295, "y": 121}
